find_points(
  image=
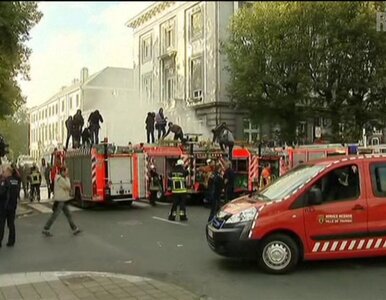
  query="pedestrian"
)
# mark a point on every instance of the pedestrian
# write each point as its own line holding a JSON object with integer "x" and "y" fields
{"x": 150, "y": 127}
{"x": 61, "y": 200}
{"x": 229, "y": 182}
{"x": 9, "y": 193}
{"x": 47, "y": 177}
{"x": 266, "y": 176}
{"x": 160, "y": 124}
{"x": 177, "y": 186}
{"x": 177, "y": 130}
{"x": 35, "y": 181}
{"x": 155, "y": 185}
{"x": 86, "y": 137}
{"x": 77, "y": 128}
{"x": 208, "y": 180}
{"x": 216, "y": 190}
{"x": 69, "y": 125}
{"x": 94, "y": 119}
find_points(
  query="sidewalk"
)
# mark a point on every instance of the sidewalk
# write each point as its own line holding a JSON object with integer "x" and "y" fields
{"x": 87, "y": 285}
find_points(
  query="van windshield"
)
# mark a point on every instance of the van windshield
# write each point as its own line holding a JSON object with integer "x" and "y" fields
{"x": 290, "y": 182}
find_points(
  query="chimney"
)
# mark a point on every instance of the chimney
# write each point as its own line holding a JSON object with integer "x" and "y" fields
{"x": 83, "y": 74}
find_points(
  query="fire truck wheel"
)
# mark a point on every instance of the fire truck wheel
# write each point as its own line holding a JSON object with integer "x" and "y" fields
{"x": 278, "y": 254}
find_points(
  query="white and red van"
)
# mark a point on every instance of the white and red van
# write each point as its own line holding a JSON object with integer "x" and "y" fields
{"x": 327, "y": 209}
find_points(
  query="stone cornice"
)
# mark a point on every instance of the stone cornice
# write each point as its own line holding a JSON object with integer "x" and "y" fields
{"x": 148, "y": 14}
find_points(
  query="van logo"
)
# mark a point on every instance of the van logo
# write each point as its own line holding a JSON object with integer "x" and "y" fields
{"x": 321, "y": 219}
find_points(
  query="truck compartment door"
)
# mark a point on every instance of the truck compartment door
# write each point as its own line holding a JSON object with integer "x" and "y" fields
{"x": 120, "y": 175}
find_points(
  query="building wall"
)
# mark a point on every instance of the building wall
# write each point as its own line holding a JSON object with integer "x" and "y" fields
{"x": 184, "y": 58}
{"x": 110, "y": 91}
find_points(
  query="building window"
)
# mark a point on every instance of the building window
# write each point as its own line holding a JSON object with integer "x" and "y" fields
{"x": 70, "y": 102}
{"x": 169, "y": 89}
{"x": 196, "y": 80}
{"x": 62, "y": 106}
{"x": 77, "y": 101}
{"x": 147, "y": 88}
{"x": 167, "y": 35}
{"x": 146, "y": 49}
{"x": 251, "y": 131}
{"x": 196, "y": 24}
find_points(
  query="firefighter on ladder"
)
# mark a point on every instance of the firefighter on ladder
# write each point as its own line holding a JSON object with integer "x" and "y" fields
{"x": 177, "y": 186}
{"x": 155, "y": 186}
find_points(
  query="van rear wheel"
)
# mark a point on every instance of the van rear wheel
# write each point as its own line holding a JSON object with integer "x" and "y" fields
{"x": 279, "y": 254}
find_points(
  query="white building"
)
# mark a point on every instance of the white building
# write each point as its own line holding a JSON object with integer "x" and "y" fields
{"x": 178, "y": 64}
{"x": 109, "y": 90}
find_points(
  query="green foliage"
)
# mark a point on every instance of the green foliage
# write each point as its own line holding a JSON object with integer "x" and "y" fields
{"x": 293, "y": 60}
{"x": 15, "y": 130}
{"x": 16, "y": 21}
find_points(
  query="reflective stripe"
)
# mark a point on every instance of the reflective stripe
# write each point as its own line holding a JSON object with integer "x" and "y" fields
{"x": 325, "y": 246}
{"x": 351, "y": 245}
{"x": 316, "y": 247}
{"x": 378, "y": 243}
{"x": 369, "y": 243}
{"x": 361, "y": 244}
{"x": 343, "y": 245}
{"x": 333, "y": 247}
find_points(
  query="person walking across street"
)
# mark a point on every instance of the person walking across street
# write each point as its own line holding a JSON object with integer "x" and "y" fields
{"x": 160, "y": 124}
{"x": 229, "y": 182}
{"x": 69, "y": 125}
{"x": 36, "y": 181}
{"x": 61, "y": 198}
{"x": 217, "y": 187}
{"x": 155, "y": 185}
{"x": 94, "y": 119}
{"x": 177, "y": 186}
{"x": 9, "y": 193}
{"x": 150, "y": 127}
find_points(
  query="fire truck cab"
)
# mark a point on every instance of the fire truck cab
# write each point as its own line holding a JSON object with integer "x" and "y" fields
{"x": 106, "y": 173}
{"x": 326, "y": 209}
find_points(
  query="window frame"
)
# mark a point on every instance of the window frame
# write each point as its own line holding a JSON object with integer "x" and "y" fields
{"x": 147, "y": 37}
{"x": 192, "y": 89}
{"x": 195, "y": 36}
{"x": 327, "y": 173}
{"x": 372, "y": 167}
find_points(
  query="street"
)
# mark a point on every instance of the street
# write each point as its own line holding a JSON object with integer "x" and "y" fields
{"x": 139, "y": 241}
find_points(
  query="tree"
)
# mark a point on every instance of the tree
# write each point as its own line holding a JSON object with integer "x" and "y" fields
{"x": 289, "y": 61}
{"x": 15, "y": 130}
{"x": 16, "y": 20}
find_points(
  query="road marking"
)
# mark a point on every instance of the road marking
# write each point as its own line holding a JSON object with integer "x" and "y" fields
{"x": 168, "y": 221}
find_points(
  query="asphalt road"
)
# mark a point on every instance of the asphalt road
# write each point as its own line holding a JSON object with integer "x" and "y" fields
{"x": 136, "y": 241}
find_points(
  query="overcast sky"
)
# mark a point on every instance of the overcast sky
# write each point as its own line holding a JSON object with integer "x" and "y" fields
{"x": 72, "y": 35}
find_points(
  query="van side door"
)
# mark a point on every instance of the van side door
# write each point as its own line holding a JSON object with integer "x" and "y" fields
{"x": 376, "y": 190}
{"x": 340, "y": 216}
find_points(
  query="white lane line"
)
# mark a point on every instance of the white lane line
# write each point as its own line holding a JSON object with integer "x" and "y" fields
{"x": 168, "y": 221}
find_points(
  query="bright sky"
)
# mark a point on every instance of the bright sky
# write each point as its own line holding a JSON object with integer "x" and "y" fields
{"x": 72, "y": 35}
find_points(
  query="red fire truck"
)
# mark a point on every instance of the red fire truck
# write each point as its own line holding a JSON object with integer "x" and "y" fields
{"x": 195, "y": 156}
{"x": 248, "y": 165}
{"x": 106, "y": 173}
{"x": 306, "y": 153}
{"x": 163, "y": 157}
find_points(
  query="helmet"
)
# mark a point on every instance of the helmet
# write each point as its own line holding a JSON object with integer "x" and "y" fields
{"x": 170, "y": 123}
{"x": 152, "y": 167}
{"x": 208, "y": 161}
{"x": 180, "y": 162}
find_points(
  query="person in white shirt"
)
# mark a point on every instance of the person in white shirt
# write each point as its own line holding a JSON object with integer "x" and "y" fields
{"x": 62, "y": 197}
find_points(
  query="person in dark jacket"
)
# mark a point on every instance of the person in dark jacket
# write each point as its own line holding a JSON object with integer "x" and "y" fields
{"x": 9, "y": 194}
{"x": 94, "y": 119}
{"x": 160, "y": 124}
{"x": 177, "y": 130}
{"x": 69, "y": 130}
{"x": 155, "y": 185}
{"x": 229, "y": 181}
{"x": 86, "y": 137}
{"x": 77, "y": 128}
{"x": 150, "y": 119}
{"x": 217, "y": 187}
